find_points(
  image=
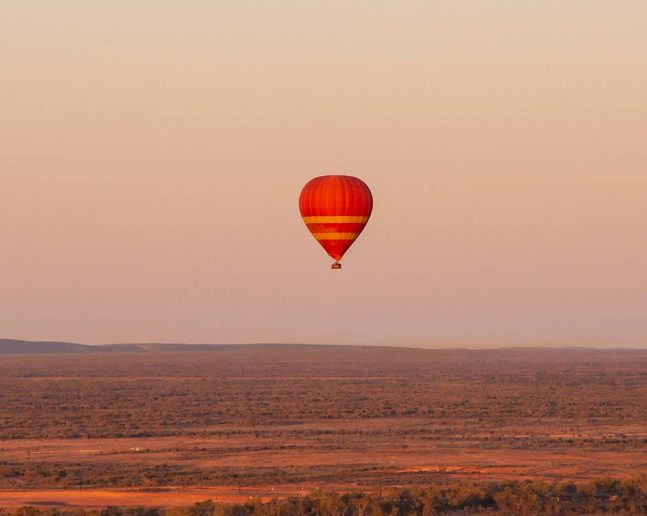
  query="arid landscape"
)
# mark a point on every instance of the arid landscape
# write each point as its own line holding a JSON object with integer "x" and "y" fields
{"x": 153, "y": 427}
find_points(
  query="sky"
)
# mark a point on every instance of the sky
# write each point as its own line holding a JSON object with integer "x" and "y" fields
{"x": 152, "y": 154}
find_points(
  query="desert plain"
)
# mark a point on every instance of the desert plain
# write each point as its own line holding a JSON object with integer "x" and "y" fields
{"x": 167, "y": 428}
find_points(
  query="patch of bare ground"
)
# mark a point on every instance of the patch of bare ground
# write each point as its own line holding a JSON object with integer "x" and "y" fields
{"x": 160, "y": 497}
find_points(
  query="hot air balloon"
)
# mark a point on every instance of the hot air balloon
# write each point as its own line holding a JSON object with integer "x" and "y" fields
{"x": 335, "y": 209}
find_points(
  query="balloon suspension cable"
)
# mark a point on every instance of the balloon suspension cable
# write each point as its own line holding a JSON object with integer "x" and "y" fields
{"x": 336, "y": 266}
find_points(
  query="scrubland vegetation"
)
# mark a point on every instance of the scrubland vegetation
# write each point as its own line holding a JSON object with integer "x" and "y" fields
{"x": 179, "y": 394}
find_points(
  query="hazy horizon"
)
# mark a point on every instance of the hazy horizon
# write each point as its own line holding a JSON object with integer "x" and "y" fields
{"x": 154, "y": 153}
{"x": 430, "y": 346}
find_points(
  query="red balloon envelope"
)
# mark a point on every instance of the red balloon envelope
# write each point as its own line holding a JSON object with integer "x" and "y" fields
{"x": 335, "y": 209}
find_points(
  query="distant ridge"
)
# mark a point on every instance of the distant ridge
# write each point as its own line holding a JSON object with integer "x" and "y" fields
{"x": 27, "y": 346}
{"x": 15, "y": 346}
{"x": 32, "y": 347}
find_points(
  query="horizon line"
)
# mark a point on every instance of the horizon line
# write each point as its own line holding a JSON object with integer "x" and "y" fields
{"x": 438, "y": 347}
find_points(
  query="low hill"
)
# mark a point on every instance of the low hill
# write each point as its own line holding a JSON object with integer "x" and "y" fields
{"x": 26, "y": 346}
{"x": 31, "y": 347}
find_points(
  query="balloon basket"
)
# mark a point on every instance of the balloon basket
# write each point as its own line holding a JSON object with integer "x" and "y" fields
{"x": 336, "y": 266}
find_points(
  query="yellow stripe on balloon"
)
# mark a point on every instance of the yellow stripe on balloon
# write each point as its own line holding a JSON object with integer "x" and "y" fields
{"x": 336, "y": 219}
{"x": 335, "y": 236}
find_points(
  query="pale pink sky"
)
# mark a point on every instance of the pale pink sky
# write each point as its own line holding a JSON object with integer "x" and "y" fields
{"x": 152, "y": 154}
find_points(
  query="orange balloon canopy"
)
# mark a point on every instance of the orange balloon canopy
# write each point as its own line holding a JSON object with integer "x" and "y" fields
{"x": 336, "y": 209}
